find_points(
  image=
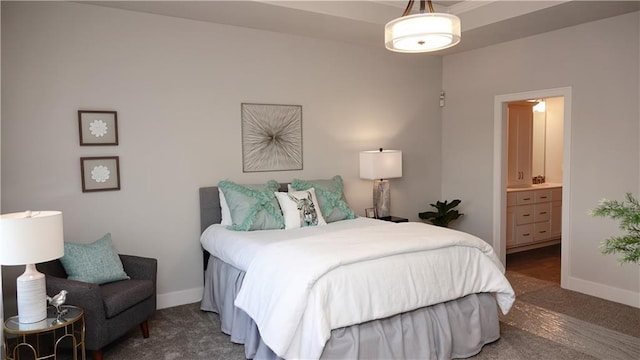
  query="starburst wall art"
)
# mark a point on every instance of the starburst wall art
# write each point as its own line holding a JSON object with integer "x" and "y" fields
{"x": 98, "y": 127}
{"x": 271, "y": 137}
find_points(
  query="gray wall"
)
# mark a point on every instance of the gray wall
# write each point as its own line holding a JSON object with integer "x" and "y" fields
{"x": 600, "y": 61}
{"x": 177, "y": 86}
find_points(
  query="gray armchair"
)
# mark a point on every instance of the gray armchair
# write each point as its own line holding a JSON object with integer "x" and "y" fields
{"x": 111, "y": 309}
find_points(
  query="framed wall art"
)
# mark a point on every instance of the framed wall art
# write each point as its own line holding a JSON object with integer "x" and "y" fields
{"x": 100, "y": 173}
{"x": 98, "y": 127}
{"x": 371, "y": 213}
{"x": 271, "y": 137}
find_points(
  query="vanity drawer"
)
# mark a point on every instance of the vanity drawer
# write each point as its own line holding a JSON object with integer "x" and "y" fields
{"x": 524, "y": 197}
{"x": 524, "y": 214}
{"x": 524, "y": 234}
{"x": 542, "y": 196}
{"x": 542, "y": 212}
{"x": 541, "y": 231}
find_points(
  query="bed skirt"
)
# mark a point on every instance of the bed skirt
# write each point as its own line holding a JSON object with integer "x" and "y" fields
{"x": 453, "y": 329}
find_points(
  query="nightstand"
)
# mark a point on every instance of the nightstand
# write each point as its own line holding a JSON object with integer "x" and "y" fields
{"x": 394, "y": 219}
{"x": 41, "y": 340}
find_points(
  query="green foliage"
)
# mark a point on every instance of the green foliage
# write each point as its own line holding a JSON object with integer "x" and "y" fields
{"x": 444, "y": 215}
{"x": 628, "y": 213}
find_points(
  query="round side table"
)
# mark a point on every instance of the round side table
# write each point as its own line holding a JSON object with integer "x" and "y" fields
{"x": 41, "y": 340}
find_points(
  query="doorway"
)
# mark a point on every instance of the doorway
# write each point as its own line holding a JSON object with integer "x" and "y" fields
{"x": 534, "y": 187}
{"x": 501, "y": 174}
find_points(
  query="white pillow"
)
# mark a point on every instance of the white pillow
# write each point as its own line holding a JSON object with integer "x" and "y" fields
{"x": 294, "y": 217}
{"x": 224, "y": 210}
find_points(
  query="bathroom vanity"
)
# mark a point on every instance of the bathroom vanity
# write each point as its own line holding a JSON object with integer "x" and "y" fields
{"x": 534, "y": 216}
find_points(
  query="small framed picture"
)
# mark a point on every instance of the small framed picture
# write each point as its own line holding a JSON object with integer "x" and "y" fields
{"x": 98, "y": 127}
{"x": 371, "y": 213}
{"x": 100, "y": 173}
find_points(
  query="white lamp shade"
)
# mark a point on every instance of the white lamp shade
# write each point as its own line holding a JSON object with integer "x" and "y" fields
{"x": 422, "y": 32}
{"x": 31, "y": 240}
{"x": 377, "y": 165}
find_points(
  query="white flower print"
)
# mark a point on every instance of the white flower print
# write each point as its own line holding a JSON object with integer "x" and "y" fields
{"x": 98, "y": 128}
{"x": 100, "y": 173}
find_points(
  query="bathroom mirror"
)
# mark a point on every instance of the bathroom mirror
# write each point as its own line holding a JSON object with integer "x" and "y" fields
{"x": 539, "y": 140}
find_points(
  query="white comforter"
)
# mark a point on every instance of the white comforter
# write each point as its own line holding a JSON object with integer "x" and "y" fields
{"x": 298, "y": 290}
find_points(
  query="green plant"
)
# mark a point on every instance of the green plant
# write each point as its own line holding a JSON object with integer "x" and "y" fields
{"x": 444, "y": 215}
{"x": 628, "y": 212}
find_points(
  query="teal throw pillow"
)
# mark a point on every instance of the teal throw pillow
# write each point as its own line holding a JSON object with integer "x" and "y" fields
{"x": 96, "y": 263}
{"x": 331, "y": 199}
{"x": 253, "y": 207}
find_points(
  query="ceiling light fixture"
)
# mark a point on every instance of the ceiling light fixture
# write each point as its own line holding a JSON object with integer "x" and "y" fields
{"x": 422, "y": 32}
{"x": 540, "y": 106}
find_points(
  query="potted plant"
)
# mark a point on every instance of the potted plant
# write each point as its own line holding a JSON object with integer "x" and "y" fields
{"x": 628, "y": 212}
{"x": 444, "y": 214}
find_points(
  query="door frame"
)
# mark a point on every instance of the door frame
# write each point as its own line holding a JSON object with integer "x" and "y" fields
{"x": 500, "y": 172}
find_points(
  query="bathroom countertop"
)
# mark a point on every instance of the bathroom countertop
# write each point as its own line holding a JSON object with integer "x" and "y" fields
{"x": 534, "y": 187}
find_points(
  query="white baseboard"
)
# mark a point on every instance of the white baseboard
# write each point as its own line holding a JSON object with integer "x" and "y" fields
{"x": 605, "y": 292}
{"x": 178, "y": 298}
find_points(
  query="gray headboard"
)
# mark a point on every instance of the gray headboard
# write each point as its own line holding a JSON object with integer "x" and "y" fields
{"x": 210, "y": 212}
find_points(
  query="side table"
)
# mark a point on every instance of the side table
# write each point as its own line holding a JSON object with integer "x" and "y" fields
{"x": 394, "y": 219}
{"x": 42, "y": 340}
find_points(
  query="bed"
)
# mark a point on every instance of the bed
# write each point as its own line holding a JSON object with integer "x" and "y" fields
{"x": 353, "y": 307}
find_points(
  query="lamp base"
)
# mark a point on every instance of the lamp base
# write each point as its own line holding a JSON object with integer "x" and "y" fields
{"x": 32, "y": 295}
{"x": 382, "y": 197}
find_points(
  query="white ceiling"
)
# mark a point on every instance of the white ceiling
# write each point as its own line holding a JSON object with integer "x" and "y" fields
{"x": 484, "y": 22}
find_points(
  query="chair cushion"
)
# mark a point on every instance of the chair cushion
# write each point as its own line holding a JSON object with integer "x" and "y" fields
{"x": 96, "y": 262}
{"x": 121, "y": 295}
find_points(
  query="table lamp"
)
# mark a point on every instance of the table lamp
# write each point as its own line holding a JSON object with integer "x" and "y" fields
{"x": 27, "y": 238}
{"x": 380, "y": 165}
